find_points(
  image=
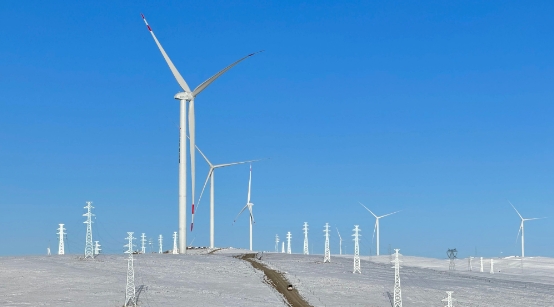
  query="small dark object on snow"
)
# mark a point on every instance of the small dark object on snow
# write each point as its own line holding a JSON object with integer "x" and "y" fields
{"x": 289, "y": 288}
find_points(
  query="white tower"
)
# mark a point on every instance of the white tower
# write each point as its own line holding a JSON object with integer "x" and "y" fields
{"x": 327, "y": 256}
{"x": 340, "y": 242}
{"x": 283, "y": 247}
{"x": 492, "y": 266}
{"x": 288, "y": 243}
{"x": 397, "y": 291}
{"x": 130, "y": 298}
{"x": 448, "y": 299}
{"x": 89, "y": 248}
{"x": 276, "y": 243}
{"x": 356, "y": 250}
{"x": 175, "y": 249}
{"x": 469, "y": 267}
{"x": 481, "y": 265}
{"x": 48, "y": 251}
{"x": 160, "y": 241}
{"x": 97, "y": 248}
{"x": 143, "y": 243}
{"x": 61, "y": 233}
{"x": 306, "y": 252}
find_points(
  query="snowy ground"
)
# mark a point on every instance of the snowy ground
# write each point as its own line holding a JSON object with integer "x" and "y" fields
{"x": 424, "y": 281}
{"x": 199, "y": 279}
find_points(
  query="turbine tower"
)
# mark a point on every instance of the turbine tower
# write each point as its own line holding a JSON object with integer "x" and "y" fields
{"x": 130, "y": 294}
{"x": 183, "y": 97}
{"x": 61, "y": 246}
{"x": 89, "y": 248}
{"x": 249, "y": 206}
{"x": 397, "y": 302}
{"x": 522, "y": 230}
{"x": 377, "y": 218}
{"x": 340, "y": 242}
{"x": 356, "y": 250}
{"x": 283, "y": 247}
{"x": 306, "y": 251}
{"x": 327, "y": 255}
{"x": 276, "y": 243}
{"x": 160, "y": 241}
{"x": 210, "y": 177}
{"x": 175, "y": 249}
{"x": 289, "y": 251}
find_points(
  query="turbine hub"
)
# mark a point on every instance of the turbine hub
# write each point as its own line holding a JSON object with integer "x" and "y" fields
{"x": 183, "y": 96}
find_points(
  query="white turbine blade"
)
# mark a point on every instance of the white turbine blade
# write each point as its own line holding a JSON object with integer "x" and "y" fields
{"x": 251, "y": 213}
{"x": 192, "y": 138}
{"x": 241, "y": 211}
{"x": 249, "y": 184}
{"x": 203, "y": 155}
{"x": 369, "y": 210}
{"x": 205, "y": 84}
{"x": 235, "y": 163}
{"x": 519, "y": 231}
{"x": 340, "y": 238}
{"x": 174, "y": 70}
{"x": 535, "y": 218}
{"x": 374, "y": 229}
{"x": 204, "y": 187}
{"x": 390, "y": 214}
{"x": 516, "y": 210}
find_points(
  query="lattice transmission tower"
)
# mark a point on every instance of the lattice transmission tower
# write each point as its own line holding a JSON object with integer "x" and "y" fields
{"x": 89, "y": 248}
{"x": 175, "y": 249}
{"x": 160, "y": 241}
{"x": 449, "y": 301}
{"x": 130, "y": 294}
{"x": 276, "y": 243}
{"x": 306, "y": 251}
{"x": 61, "y": 245}
{"x": 289, "y": 236}
{"x": 357, "y": 267}
{"x": 452, "y": 255}
{"x": 143, "y": 243}
{"x": 327, "y": 255}
{"x": 492, "y": 266}
{"x": 397, "y": 302}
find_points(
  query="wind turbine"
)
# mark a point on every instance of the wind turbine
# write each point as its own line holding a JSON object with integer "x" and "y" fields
{"x": 249, "y": 206}
{"x": 340, "y": 242}
{"x": 377, "y": 224}
{"x": 211, "y": 174}
{"x": 522, "y": 230}
{"x": 183, "y": 97}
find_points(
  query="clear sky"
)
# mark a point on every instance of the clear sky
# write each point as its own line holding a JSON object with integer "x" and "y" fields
{"x": 440, "y": 109}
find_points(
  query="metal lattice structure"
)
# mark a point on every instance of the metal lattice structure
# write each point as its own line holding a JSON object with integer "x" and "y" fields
{"x": 143, "y": 243}
{"x": 89, "y": 248}
{"x": 327, "y": 255}
{"x": 306, "y": 251}
{"x": 448, "y": 299}
{"x": 61, "y": 245}
{"x": 289, "y": 236}
{"x": 97, "y": 248}
{"x": 357, "y": 268}
{"x": 452, "y": 255}
{"x": 492, "y": 266}
{"x": 160, "y": 241}
{"x": 175, "y": 249}
{"x": 130, "y": 292}
{"x": 276, "y": 243}
{"x": 397, "y": 302}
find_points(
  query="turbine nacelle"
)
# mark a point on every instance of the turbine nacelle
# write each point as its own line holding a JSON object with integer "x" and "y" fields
{"x": 183, "y": 96}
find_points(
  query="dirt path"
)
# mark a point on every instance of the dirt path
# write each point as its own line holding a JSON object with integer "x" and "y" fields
{"x": 278, "y": 281}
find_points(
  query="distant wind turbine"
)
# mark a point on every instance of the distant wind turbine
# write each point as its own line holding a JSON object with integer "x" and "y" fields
{"x": 340, "y": 242}
{"x": 211, "y": 174}
{"x": 377, "y": 218}
{"x": 249, "y": 206}
{"x": 522, "y": 229}
{"x": 183, "y": 97}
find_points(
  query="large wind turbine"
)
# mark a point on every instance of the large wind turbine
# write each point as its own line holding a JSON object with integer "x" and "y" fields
{"x": 522, "y": 230}
{"x": 211, "y": 174}
{"x": 377, "y": 224}
{"x": 249, "y": 206}
{"x": 183, "y": 97}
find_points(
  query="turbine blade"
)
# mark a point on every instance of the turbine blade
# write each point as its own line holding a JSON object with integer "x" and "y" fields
{"x": 390, "y": 214}
{"x": 251, "y": 213}
{"x": 203, "y": 155}
{"x": 204, "y": 187}
{"x": 235, "y": 163}
{"x": 519, "y": 231}
{"x": 369, "y": 210}
{"x": 192, "y": 139}
{"x": 174, "y": 70}
{"x": 340, "y": 238}
{"x": 205, "y": 84}
{"x": 374, "y": 229}
{"x": 535, "y": 218}
{"x": 516, "y": 210}
{"x": 241, "y": 211}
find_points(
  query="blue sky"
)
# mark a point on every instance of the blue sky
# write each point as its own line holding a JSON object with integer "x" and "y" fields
{"x": 442, "y": 110}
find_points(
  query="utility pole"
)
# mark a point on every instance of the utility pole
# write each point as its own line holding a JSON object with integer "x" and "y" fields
{"x": 143, "y": 243}
{"x": 306, "y": 251}
{"x": 356, "y": 250}
{"x": 97, "y": 248}
{"x": 492, "y": 266}
{"x": 397, "y": 291}
{"x": 175, "y": 249}
{"x": 89, "y": 248}
{"x": 61, "y": 233}
{"x": 276, "y": 243}
{"x": 160, "y": 240}
{"x": 130, "y": 297}
{"x": 327, "y": 256}
{"x": 448, "y": 299}
{"x": 288, "y": 243}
